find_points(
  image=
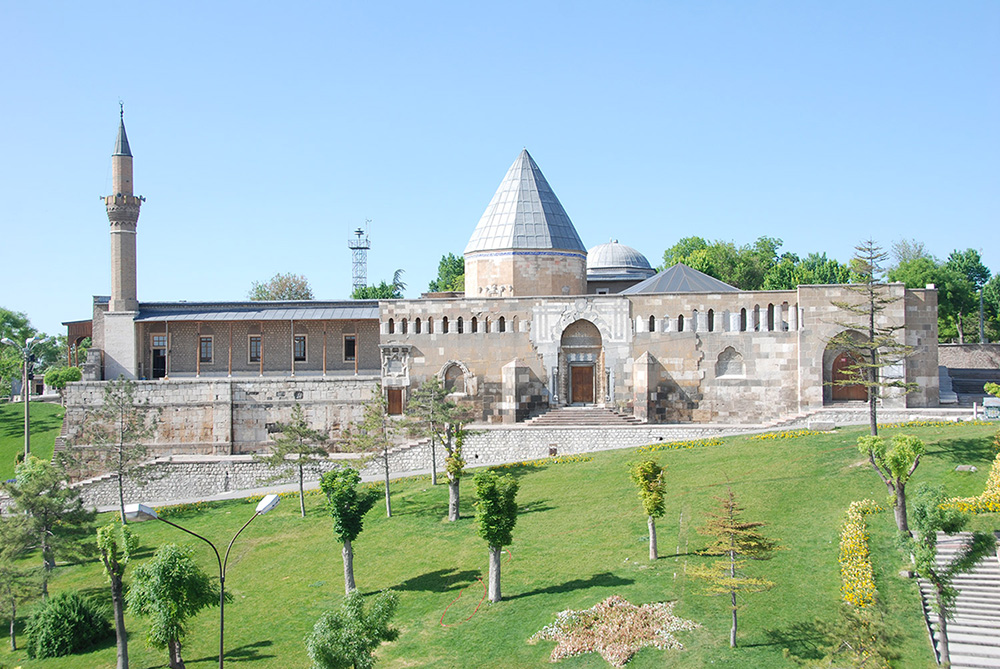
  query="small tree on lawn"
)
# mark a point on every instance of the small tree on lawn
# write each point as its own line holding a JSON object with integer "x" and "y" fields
{"x": 17, "y": 583}
{"x": 169, "y": 590}
{"x": 116, "y": 544}
{"x": 455, "y": 466}
{"x": 55, "y": 521}
{"x": 375, "y": 433}
{"x": 118, "y": 429}
{"x": 298, "y": 441}
{"x": 871, "y": 343}
{"x": 737, "y": 541}
{"x": 347, "y": 503}
{"x": 428, "y": 411}
{"x": 496, "y": 513}
{"x": 929, "y": 518}
{"x": 648, "y": 478}
{"x": 894, "y": 465}
{"x": 347, "y": 637}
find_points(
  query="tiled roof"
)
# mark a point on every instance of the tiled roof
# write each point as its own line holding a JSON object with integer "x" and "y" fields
{"x": 258, "y": 311}
{"x": 680, "y": 279}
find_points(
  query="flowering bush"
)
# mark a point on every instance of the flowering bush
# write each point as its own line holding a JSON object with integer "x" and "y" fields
{"x": 671, "y": 445}
{"x": 615, "y": 628}
{"x": 988, "y": 501}
{"x": 543, "y": 462}
{"x": 935, "y": 423}
{"x": 785, "y": 434}
{"x": 857, "y": 577}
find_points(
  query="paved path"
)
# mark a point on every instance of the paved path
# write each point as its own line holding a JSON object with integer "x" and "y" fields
{"x": 974, "y": 629}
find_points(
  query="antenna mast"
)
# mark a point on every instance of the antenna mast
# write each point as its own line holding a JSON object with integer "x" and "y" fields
{"x": 359, "y": 250}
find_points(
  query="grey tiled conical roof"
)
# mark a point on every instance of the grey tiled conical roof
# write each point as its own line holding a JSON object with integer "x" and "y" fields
{"x": 524, "y": 214}
{"x": 680, "y": 279}
{"x": 121, "y": 144}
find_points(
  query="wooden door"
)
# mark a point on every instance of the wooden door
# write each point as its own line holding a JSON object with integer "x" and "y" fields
{"x": 395, "y": 399}
{"x": 582, "y": 382}
{"x": 159, "y": 363}
{"x": 842, "y": 371}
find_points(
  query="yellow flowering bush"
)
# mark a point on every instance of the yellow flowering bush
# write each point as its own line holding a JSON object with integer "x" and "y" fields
{"x": 857, "y": 576}
{"x": 543, "y": 462}
{"x": 672, "y": 445}
{"x": 935, "y": 423}
{"x": 786, "y": 434}
{"x": 988, "y": 501}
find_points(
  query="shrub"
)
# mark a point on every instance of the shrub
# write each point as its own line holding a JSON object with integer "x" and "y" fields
{"x": 65, "y": 624}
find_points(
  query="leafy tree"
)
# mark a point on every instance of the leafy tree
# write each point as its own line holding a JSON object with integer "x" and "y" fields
{"x": 430, "y": 414}
{"x": 682, "y": 250}
{"x": 872, "y": 345}
{"x": 347, "y": 504}
{"x": 55, "y": 521}
{"x": 116, "y": 545}
{"x": 991, "y": 304}
{"x": 346, "y": 638}
{"x": 648, "y": 478}
{"x": 955, "y": 293}
{"x": 737, "y": 541}
{"x": 907, "y": 250}
{"x": 170, "y": 589}
{"x": 117, "y": 430}
{"x": 17, "y": 583}
{"x": 281, "y": 287}
{"x": 454, "y": 465}
{"x": 816, "y": 269}
{"x": 375, "y": 433}
{"x": 450, "y": 276}
{"x": 298, "y": 441}
{"x": 929, "y": 518}
{"x": 60, "y": 377}
{"x": 496, "y": 514}
{"x": 15, "y": 326}
{"x": 894, "y": 465}
{"x": 382, "y": 291}
{"x": 969, "y": 265}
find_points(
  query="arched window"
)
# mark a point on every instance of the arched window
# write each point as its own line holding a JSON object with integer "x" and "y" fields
{"x": 711, "y": 320}
{"x": 416, "y": 326}
{"x": 459, "y": 325}
{"x": 770, "y": 318}
{"x": 501, "y": 324}
{"x": 392, "y": 327}
{"x": 652, "y": 323}
{"x": 402, "y": 326}
{"x": 743, "y": 320}
{"x": 444, "y": 325}
{"x": 475, "y": 325}
{"x": 430, "y": 325}
{"x": 680, "y": 323}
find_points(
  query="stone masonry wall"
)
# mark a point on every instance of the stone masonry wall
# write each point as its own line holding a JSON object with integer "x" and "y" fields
{"x": 969, "y": 356}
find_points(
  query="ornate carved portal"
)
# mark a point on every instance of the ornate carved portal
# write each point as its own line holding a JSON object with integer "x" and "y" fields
{"x": 581, "y": 364}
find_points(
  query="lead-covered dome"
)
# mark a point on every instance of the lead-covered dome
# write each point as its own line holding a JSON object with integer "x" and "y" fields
{"x": 618, "y": 257}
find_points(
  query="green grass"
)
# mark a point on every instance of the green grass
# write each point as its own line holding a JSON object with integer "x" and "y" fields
{"x": 581, "y": 536}
{"x": 46, "y": 421}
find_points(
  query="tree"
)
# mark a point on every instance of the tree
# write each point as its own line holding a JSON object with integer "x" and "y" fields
{"x": 375, "y": 433}
{"x": 298, "y": 441}
{"x": 648, "y": 478}
{"x": 346, "y": 638}
{"x": 738, "y": 541}
{"x": 281, "y": 287}
{"x": 496, "y": 514}
{"x": 15, "y": 326}
{"x": 991, "y": 303}
{"x": 347, "y": 504}
{"x": 60, "y": 377}
{"x": 55, "y": 521}
{"x": 170, "y": 589}
{"x": 956, "y": 296}
{"x": 118, "y": 429}
{"x": 450, "y": 276}
{"x": 454, "y": 465}
{"x": 17, "y": 583}
{"x": 930, "y": 516}
{"x": 969, "y": 265}
{"x": 382, "y": 291}
{"x": 117, "y": 544}
{"x": 870, "y": 342}
{"x": 907, "y": 250}
{"x": 895, "y": 466}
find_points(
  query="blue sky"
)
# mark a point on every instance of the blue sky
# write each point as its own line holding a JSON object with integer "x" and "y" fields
{"x": 264, "y": 133}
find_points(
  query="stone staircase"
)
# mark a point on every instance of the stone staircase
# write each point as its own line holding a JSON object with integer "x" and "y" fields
{"x": 968, "y": 384}
{"x": 589, "y": 416}
{"x": 60, "y": 444}
{"x": 974, "y": 628}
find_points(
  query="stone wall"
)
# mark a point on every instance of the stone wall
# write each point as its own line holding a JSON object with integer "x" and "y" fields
{"x": 969, "y": 356}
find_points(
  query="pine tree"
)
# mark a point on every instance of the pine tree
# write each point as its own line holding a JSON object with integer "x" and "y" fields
{"x": 375, "y": 433}
{"x": 299, "y": 442}
{"x": 737, "y": 541}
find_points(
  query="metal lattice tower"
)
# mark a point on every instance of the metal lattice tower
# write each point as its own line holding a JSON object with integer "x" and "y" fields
{"x": 359, "y": 248}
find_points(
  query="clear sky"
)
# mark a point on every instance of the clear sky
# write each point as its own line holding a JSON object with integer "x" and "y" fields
{"x": 264, "y": 133}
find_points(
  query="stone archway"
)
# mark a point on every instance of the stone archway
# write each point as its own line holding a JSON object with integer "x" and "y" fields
{"x": 840, "y": 366}
{"x": 456, "y": 378}
{"x": 581, "y": 364}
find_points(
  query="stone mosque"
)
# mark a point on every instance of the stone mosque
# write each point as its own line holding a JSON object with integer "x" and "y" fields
{"x": 543, "y": 323}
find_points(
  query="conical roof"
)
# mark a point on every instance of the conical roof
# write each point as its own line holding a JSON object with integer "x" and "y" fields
{"x": 680, "y": 279}
{"x": 524, "y": 214}
{"x": 121, "y": 144}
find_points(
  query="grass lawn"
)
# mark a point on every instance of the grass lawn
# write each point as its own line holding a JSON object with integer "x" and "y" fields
{"x": 46, "y": 421}
{"x": 580, "y": 537}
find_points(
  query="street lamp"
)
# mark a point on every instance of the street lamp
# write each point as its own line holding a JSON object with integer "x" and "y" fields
{"x": 28, "y": 360}
{"x": 140, "y": 512}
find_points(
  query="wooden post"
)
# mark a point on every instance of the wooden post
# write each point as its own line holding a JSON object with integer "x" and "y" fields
{"x": 229, "y": 371}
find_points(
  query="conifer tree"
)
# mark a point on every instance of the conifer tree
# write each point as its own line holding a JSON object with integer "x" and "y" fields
{"x": 737, "y": 541}
{"x": 298, "y": 441}
{"x": 17, "y": 582}
{"x": 648, "y": 478}
{"x": 375, "y": 433}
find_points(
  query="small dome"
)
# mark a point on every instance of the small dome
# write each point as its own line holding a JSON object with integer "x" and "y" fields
{"x": 615, "y": 256}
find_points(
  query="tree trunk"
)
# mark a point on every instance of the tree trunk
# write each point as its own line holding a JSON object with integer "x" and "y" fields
{"x": 961, "y": 331}
{"x": 121, "y": 635}
{"x": 348, "y": 554}
{"x": 121, "y": 498}
{"x": 13, "y": 618}
{"x": 302, "y": 492}
{"x": 652, "y": 538}
{"x": 174, "y": 648}
{"x": 732, "y": 598}
{"x": 900, "y": 508}
{"x": 48, "y": 564}
{"x": 943, "y": 655}
{"x": 494, "y": 573}
{"x": 434, "y": 466}
{"x": 388, "y": 502}
{"x": 452, "y": 498}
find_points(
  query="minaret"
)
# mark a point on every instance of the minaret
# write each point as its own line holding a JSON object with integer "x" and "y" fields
{"x": 123, "y": 213}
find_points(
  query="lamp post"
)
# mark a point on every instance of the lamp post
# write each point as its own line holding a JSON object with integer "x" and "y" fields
{"x": 140, "y": 512}
{"x": 28, "y": 360}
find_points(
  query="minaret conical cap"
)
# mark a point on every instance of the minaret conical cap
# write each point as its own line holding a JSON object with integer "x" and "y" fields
{"x": 121, "y": 144}
{"x": 524, "y": 214}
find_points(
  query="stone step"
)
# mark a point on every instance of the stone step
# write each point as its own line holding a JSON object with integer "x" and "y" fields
{"x": 590, "y": 416}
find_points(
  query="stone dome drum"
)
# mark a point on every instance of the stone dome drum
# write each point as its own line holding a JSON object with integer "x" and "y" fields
{"x": 614, "y": 261}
